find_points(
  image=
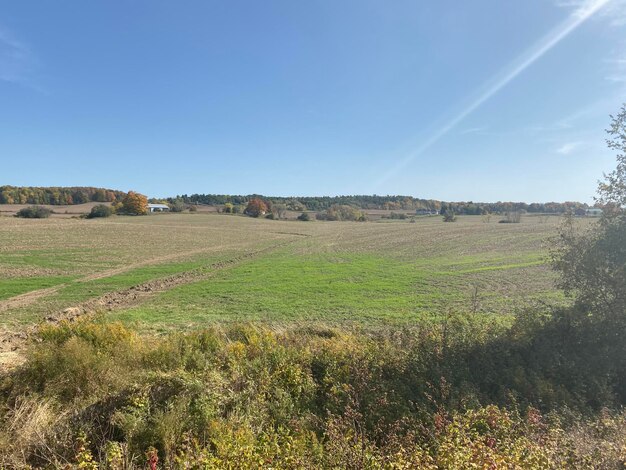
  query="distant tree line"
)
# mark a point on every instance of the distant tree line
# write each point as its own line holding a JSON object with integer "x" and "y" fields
{"x": 318, "y": 203}
{"x": 57, "y": 195}
{"x": 480, "y": 208}
{"x": 393, "y": 203}
{"x": 79, "y": 195}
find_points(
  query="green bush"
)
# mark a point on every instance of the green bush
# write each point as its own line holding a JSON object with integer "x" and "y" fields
{"x": 101, "y": 210}
{"x": 177, "y": 206}
{"x": 342, "y": 212}
{"x": 34, "y": 212}
{"x": 304, "y": 217}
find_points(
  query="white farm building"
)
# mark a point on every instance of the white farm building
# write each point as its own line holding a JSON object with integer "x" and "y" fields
{"x": 158, "y": 208}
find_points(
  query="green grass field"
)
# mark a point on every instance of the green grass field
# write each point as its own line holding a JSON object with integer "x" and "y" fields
{"x": 274, "y": 271}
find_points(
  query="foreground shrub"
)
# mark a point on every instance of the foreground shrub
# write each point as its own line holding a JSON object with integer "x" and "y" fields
{"x": 310, "y": 397}
{"x": 101, "y": 210}
{"x": 304, "y": 217}
{"x": 34, "y": 212}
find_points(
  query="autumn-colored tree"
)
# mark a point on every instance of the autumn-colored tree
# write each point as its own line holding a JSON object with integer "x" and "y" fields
{"x": 135, "y": 204}
{"x": 256, "y": 207}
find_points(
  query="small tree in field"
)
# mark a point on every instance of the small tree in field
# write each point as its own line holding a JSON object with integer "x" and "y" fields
{"x": 256, "y": 208}
{"x": 279, "y": 210}
{"x": 177, "y": 205}
{"x": 135, "y": 204}
{"x": 449, "y": 216}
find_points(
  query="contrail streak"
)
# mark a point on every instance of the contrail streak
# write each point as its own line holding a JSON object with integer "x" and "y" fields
{"x": 523, "y": 62}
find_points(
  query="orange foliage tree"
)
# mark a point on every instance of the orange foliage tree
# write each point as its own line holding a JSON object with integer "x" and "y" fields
{"x": 256, "y": 207}
{"x": 135, "y": 204}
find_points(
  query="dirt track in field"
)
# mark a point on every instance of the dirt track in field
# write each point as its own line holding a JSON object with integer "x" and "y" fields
{"x": 31, "y": 297}
{"x": 149, "y": 262}
{"x": 12, "y": 343}
{"x": 28, "y": 298}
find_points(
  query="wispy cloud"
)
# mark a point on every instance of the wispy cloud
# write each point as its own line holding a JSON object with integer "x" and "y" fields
{"x": 582, "y": 13}
{"x": 17, "y": 61}
{"x": 617, "y": 66}
{"x": 474, "y": 130}
{"x": 614, "y": 11}
{"x": 568, "y": 148}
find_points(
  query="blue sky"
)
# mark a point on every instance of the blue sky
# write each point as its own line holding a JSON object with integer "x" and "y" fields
{"x": 482, "y": 100}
